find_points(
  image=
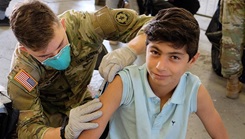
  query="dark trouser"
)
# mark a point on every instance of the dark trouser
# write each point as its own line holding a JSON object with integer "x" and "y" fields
{"x": 4, "y": 4}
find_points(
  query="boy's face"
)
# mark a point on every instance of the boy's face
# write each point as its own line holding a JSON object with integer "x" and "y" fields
{"x": 58, "y": 42}
{"x": 165, "y": 64}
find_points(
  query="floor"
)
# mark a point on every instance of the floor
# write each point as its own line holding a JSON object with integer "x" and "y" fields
{"x": 231, "y": 111}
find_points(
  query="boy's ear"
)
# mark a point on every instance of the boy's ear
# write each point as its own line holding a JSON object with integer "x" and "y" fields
{"x": 194, "y": 59}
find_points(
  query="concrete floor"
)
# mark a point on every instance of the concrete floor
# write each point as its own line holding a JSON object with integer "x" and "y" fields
{"x": 231, "y": 111}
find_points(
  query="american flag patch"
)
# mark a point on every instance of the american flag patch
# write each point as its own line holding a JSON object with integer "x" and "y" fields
{"x": 25, "y": 80}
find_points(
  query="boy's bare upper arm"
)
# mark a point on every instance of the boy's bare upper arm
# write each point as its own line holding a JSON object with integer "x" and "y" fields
{"x": 110, "y": 99}
{"x": 209, "y": 115}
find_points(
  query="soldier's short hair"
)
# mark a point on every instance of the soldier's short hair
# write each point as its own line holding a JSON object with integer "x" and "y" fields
{"x": 177, "y": 26}
{"x": 33, "y": 23}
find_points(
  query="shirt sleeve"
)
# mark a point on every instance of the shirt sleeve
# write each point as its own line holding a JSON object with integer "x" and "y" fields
{"x": 23, "y": 91}
{"x": 196, "y": 84}
{"x": 105, "y": 24}
{"x": 127, "y": 95}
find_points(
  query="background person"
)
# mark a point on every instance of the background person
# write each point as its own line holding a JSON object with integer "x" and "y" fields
{"x": 132, "y": 4}
{"x": 4, "y": 20}
{"x": 232, "y": 17}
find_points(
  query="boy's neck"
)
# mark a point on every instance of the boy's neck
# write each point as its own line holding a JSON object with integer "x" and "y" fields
{"x": 165, "y": 98}
{"x": 163, "y": 94}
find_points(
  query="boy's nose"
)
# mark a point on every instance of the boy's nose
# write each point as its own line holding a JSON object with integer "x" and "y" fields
{"x": 161, "y": 65}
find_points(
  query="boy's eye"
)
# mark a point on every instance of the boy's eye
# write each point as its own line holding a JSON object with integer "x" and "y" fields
{"x": 175, "y": 57}
{"x": 154, "y": 52}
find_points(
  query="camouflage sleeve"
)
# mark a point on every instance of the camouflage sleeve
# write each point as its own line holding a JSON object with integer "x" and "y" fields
{"x": 23, "y": 91}
{"x": 104, "y": 24}
{"x": 118, "y": 24}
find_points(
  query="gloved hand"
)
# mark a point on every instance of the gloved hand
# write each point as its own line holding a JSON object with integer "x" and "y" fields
{"x": 80, "y": 118}
{"x": 115, "y": 61}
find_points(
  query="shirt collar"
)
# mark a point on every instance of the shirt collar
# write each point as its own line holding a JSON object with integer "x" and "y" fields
{"x": 179, "y": 93}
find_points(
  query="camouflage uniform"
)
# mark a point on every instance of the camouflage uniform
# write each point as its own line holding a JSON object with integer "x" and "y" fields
{"x": 54, "y": 93}
{"x": 232, "y": 44}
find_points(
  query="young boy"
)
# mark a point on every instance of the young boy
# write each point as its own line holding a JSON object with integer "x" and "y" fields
{"x": 154, "y": 100}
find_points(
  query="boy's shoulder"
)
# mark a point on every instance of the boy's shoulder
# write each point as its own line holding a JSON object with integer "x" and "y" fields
{"x": 133, "y": 69}
{"x": 190, "y": 80}
{"x": 191, "y": 76}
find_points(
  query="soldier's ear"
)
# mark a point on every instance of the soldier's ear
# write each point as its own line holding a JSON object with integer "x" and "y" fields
{"x": 22, "y": 48}
{"x": 63, "y": 23}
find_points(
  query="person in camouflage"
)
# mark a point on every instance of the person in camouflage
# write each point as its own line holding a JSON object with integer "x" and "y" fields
{"x": 232, "y": 17}
{"x": 54, "y": 60}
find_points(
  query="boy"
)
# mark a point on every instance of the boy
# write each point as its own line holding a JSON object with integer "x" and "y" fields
{"x": 154, "y": 100}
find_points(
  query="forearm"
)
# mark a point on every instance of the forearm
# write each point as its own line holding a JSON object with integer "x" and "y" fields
{"x": 138, "y": 44}
{"x": 52, "y": 133}
{"x": 218, "y": 131}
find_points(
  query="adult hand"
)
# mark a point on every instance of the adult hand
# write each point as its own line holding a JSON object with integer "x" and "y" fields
{"x": 80, "y": 118}
{"x": 115, "y": 61}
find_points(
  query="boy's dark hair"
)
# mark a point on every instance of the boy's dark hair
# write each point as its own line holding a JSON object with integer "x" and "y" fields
{"x": 33, "y": 24}
{"x": 177, "y": 26}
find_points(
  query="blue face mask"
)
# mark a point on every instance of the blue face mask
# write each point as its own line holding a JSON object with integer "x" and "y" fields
{"x": 61, "y": 61}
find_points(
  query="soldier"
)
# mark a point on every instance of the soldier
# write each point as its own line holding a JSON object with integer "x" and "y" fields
{"x": 53, "y": 64}
{"x": 232, "y": 44}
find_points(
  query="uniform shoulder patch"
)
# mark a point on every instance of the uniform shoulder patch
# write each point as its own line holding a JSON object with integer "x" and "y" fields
{"x": 123, "y": 18}
{"x": 25, "y": 80}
